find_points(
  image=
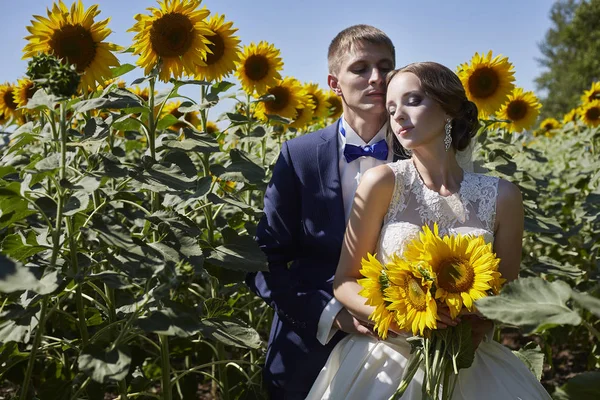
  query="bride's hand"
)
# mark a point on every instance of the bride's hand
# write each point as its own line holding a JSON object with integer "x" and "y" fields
{"x": 479, "y": 327}
{"x": 444, "y": 319}
{"x": 345, "y": 322}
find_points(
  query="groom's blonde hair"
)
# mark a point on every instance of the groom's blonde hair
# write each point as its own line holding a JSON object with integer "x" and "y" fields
{"x": 345, "y": 41}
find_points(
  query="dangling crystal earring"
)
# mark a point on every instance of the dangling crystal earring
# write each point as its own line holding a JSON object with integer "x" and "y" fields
{"x": 448, "y": 136}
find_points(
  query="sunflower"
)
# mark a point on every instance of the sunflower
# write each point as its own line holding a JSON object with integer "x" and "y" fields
{"x": 571, "y": 116}
{"x": 592, "y": 94}
{"x": 590, "y": 113}
{"x": 321, "y": 110}
{"x": 488, "y": 81}
{"x": 142, "y": 93}
{"x": 224, "y": 50}
{"x": 75, "y": 38}
{"x": 289, "y": 96}
{"x": 335, "y": 105}
{"x": 547, "y": 127}
{"x": 190, "y": 117}
{"x": 120, "y": 83}
{"x": 212, "y": 128}
{"x": 24, "y": 91}
{"x": 8, "y": 105}
{"x": 305, "y": 114}
{"x": 522, "y": 109}
{"x": 174, "y": 35}
{"x": 410, "y": 295}
{"x": 374, "y": 284}
{"x": 259, "y": 68}
{"x": 465, "y": 267}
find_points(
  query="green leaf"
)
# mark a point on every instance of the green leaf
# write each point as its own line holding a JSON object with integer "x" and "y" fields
{"x": 18, "y": 323}
{"x": 115, "y": 99}
{"x": 42, "y": 100}
{"x": 49, "y": 163}
{"x": 176, "y": 320}
{"x": 531, "y": 303}
{"x": 215, "y": 307}
{"x": 590, "y": 303}
{"x": 238, "y": 253}
{"x": 104, "y": 365}
{"x": 241, "y": 169}
{"x": 13, "y": 207}
{"x": 460, "y": 344}
{"x": 121, "y": 70}
{"x": 231, "y": 332}
{"x": 113, "y": 280}
{"x": 166, "y": 122}
{"x": 162, "y": 177}
{"x": 585, "y": 386}
{"x": 226, "y": 199}
{"x": 547, "y": 265}
{"x": 533, "y": 358}
{"x": 14, "y": 277}
{"x": 16, "y": 247}
{"x": 198, "y": 143}
{"x": 78, "y": 201}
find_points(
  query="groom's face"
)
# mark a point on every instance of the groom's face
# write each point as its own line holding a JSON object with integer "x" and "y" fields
{"x": 360, "y": 80}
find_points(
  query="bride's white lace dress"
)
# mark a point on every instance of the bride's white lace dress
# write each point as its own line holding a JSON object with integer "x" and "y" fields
{"x": 363, "y": 368}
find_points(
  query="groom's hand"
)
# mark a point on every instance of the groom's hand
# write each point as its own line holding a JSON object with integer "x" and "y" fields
{"x": 344, "y": 321}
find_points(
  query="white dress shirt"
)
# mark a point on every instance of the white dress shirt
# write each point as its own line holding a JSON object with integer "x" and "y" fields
{"x": 350, "y": 174}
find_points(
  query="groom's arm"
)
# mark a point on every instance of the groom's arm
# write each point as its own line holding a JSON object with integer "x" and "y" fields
{"x": 278, "y": 235}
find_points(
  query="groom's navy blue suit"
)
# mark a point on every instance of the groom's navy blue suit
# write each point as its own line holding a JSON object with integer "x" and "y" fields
{"x": 301, "y": 233}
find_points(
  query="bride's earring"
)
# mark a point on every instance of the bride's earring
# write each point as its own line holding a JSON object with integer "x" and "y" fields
{"x": 448, "y": 136}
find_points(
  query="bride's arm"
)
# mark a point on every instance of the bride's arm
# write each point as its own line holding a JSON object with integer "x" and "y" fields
{"x": 370, "y": 205}
{"x": 508, "y": 237}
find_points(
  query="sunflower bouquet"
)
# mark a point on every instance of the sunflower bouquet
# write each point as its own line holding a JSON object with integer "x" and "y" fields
{"x": 433, "y": 271}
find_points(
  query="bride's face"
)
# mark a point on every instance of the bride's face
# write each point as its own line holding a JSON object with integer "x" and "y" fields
{"x": 416, "y": 119}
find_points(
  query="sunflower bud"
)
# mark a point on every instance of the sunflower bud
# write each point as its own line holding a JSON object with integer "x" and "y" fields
{"x": 40, "y": 66}
{"x": 63, "y": 81}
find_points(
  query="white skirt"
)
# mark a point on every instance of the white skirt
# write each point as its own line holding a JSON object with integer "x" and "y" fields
{"x": 361, "y": 368}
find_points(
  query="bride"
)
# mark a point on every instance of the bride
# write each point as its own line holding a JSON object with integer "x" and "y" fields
{"x": 432, "y": 118}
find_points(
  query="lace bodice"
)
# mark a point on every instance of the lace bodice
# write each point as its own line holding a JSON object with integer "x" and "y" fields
{"x": 413, "y": 204}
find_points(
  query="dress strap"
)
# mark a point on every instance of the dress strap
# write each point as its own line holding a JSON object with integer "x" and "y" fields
{"x": 402, "y": 182}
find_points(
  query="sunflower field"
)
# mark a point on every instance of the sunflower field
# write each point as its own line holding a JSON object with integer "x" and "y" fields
{"x": 127, "y": 215}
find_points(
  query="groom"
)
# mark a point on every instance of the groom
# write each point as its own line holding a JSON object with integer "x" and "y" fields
{"x": 307, "y": 205}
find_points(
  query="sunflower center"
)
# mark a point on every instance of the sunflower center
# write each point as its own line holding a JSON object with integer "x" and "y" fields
{"x": 416, "y": 295}
{"x": 172, "y": 35}
{"x": 593, "y": 114}
{"x": 483, "y": 83}
{"x": 9, "y": 99}
{"x": 456, "y": 275}
{"x": 315, "y": 101}
{"x": 548, "y": 126}
{"x": 516, "y": 110}
{"x": 217, "y": 46}
{"x": 282, "y": 99}
{"x": 257, "y": 67}
{"x": 75, "y": 44}
{"x": 30, "y": 90}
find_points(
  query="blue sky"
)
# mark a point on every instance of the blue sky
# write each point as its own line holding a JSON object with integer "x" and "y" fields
{"x": 449, "y": 32}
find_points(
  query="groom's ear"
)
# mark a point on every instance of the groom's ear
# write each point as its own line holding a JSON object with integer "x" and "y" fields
{"x": 333, "y": 83}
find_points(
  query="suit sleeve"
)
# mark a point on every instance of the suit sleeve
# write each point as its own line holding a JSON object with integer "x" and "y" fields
{"x": 279, "y": 235}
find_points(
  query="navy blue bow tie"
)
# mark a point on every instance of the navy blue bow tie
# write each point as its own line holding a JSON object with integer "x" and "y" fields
{"x": 378, "y": 150}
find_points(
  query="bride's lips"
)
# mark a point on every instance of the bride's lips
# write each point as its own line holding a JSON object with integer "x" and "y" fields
{"x": 405, "y": 130}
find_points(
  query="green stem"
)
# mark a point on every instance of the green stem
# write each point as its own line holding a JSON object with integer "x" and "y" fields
{"x": 81, "y": 389}
{"x": 151, "y": 121}
{"x": 75, "y": 270}
{"x": 34, "y": 348}
{"x": 223, "y": 371}
{"x": 165, "y": 366}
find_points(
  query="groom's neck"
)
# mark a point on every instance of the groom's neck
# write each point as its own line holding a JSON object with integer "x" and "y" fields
{"x": 366, "y": 126}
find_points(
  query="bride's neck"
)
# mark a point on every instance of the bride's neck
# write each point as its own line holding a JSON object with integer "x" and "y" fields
{"x": 439, "y": 171}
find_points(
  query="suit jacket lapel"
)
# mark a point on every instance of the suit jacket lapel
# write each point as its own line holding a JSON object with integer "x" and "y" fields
{"x": 329, "y": 174}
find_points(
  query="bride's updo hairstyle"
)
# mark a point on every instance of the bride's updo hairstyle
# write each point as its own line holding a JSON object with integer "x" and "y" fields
{"x": 444, "y": 87}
